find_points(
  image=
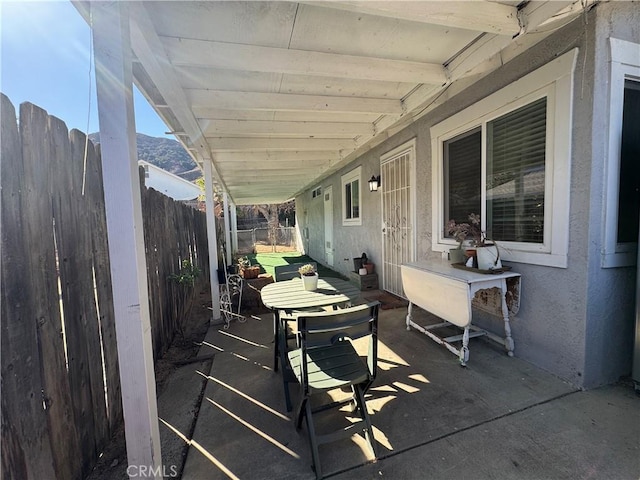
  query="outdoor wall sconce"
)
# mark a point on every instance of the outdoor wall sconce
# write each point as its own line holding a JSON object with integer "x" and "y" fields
{"x": 374, "y": 183}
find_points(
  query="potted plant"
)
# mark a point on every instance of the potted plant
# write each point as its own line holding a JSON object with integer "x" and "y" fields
{"x": 309, "y": 277}
{"x": 486, "y": 253}
{"x": 469, "y": 233}
{"x": 248, "y": 271}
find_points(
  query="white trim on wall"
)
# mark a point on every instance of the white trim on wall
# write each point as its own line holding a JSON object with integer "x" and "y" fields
{"x": 555, "y": 82}
{"x": 625, "y": 64}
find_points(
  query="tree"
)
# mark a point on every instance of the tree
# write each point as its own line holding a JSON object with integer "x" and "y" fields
{"x": 271, "y": 213}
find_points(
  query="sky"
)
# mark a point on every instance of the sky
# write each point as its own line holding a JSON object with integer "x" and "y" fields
{"x": 45, "y": 59}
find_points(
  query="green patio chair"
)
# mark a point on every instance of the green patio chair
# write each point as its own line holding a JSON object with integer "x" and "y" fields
{"x": 290, "y": 271}
{"x": 282, "y": 273}
{"x": 327, "y": 360}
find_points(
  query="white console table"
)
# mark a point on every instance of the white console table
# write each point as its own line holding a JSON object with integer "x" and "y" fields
{"x": 447, "y": 292}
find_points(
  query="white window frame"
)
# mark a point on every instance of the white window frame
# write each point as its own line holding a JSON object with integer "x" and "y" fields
{"x": 555, "y": 82}
{"x": 355, "y": 174}
{"x": 625, "y": 65}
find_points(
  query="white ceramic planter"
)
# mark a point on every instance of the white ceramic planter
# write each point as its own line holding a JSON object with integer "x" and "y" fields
{"x": 488, "y": 258}
{"x": 310, "y": 282}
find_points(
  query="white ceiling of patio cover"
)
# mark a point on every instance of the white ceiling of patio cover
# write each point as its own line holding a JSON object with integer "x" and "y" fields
{"x": 279, "y": 94}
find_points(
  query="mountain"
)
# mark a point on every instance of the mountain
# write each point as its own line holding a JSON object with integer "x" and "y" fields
{"x": 165, "y": 153}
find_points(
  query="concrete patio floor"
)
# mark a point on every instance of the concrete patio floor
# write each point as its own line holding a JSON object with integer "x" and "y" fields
{"x": 499, "y": 417}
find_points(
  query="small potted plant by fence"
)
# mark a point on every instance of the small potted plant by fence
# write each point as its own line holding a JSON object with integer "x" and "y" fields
{"x": 248, "y": 271}
{"x": 309, "y": 277}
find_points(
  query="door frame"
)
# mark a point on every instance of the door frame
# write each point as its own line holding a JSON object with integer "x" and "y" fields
{"x": 329, "y": 189}
{"x": 409, "y": 146}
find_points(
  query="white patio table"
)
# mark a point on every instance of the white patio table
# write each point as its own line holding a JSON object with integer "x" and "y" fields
{"x": 289, "y": 296}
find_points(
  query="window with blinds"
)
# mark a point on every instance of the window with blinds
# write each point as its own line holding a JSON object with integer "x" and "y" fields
{"x": 463, "y": 170}
{"x": 516, "y": 145}
{"x": 515, "y": 182}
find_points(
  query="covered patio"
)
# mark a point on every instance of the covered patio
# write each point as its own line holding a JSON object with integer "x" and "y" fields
{"x": 270, "y": 98}
{"x": 499, "y": 417}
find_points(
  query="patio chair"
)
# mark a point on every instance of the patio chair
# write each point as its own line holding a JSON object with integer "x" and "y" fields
{"x": 290, "y": 271}
{"x": 282, "y": 273}
{"x": 327, "y": 360}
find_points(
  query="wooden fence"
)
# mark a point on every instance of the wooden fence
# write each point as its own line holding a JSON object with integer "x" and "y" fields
{"x": 61, "y": 398}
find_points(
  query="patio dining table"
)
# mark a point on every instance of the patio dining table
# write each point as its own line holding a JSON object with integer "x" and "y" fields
{"x": 289, "y": 296}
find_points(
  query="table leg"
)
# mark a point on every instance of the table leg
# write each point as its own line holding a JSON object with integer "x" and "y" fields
{"x": 464, "y": 351}
{"x": 409, "y": 316}
{"x": 508, "y": 340}
{"x": 276, "y": 339}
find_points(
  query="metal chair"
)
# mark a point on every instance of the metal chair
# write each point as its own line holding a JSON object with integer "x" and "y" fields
{"x": 326, "y": 360}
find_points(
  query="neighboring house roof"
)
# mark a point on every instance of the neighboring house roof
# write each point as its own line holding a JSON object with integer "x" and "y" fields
{"x": 169, "y": 184}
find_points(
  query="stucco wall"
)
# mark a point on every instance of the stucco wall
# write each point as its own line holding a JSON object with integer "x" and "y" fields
{"x": 566, "y": 317}
{"x": 611, "y": 291}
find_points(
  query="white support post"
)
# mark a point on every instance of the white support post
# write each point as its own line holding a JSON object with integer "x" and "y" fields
{"x": 112, "y": 50}
{"x": 234, "y": 228}
{"x": 212, "y": 238}
{"x": 227, "y": 227}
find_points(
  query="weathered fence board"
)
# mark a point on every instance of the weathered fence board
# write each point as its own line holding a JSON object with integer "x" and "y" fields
{"x": 26, "y": 451}
{"x": 61, "y": 397}
{"x": 86, "y": 327}
{"x": 94, "y": 192}
{"x": 37, "y": 148}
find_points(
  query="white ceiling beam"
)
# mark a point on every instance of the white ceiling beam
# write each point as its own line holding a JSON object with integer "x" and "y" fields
{"x": 270, "y": 167}
{"x": 257, "y": 188}
{"x": 537, "y": 12}
{"x": 291, "y": 102}
{"x": 278, "y": 156}
{"x": 487, "y": 17}
{"x": 264, "y": 199}
{"x": 485, "y": 55}
{"x": 233, "y": 56}
{"x": 258, "y": 192}
{"x": 288, "y": 176}
{"x": 532, "y": 15}
{"x": 205, "y": 113}
{"x": 214, "y": 128}
{"x": 281, "y": 144}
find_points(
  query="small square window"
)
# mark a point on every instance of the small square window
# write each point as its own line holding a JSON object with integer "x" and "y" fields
{"x": 351, "y": 198}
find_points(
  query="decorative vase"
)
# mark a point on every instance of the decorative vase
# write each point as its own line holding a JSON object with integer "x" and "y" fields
{"x": 370, "y": 268}
{"x": 488, "y": 257}
{"x": 456, "y": 255}
{"x": 310, "y": 282}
